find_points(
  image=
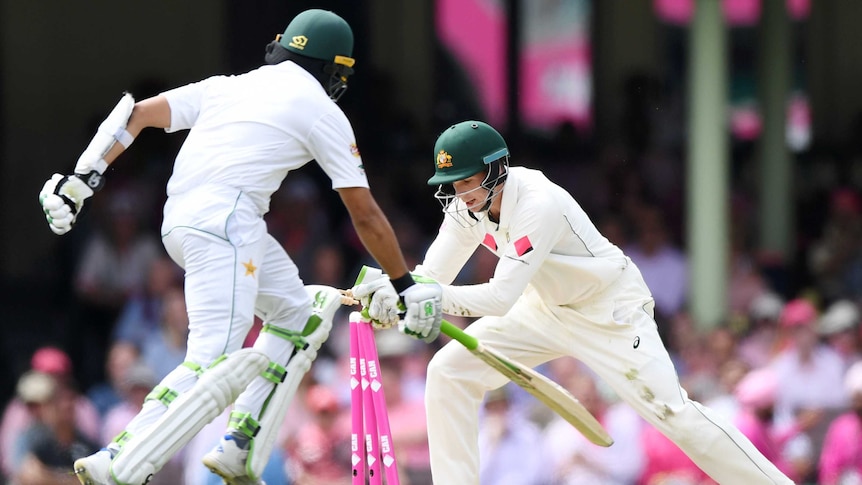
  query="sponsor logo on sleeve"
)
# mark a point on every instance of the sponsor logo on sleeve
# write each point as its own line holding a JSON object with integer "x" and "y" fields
{"x": 490, "y": 242}
{"x": 523, "y": 246}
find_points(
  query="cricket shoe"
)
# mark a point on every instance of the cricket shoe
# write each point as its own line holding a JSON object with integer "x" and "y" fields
{"x": 95, "y": 469}
{"x": 228, "y": 460}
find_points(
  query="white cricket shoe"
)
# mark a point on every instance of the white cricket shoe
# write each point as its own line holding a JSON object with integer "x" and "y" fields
{"x": 95, "y": 469}
{"x": 227, "y": 460}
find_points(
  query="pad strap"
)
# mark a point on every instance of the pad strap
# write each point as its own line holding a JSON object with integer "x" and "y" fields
{"x": 291, "y": 336}
{"x": 275, "y": 373}
{"x": 122, "y": 438}
{"x": 163, "y": 394}
{"x": 244, "y": 423}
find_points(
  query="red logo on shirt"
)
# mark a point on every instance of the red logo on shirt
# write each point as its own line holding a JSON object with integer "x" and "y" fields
{"x": 490, "y": 242}
{"x": 523, "y": 246}
{"x": 354, "y": 150}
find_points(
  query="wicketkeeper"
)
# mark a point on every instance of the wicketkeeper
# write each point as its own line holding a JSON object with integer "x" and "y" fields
{"x": 560, "y": 288}
{"x": 246, "y": 132}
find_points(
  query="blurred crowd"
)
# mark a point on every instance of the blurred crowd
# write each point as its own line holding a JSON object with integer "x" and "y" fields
{"x": 784, "y": 365}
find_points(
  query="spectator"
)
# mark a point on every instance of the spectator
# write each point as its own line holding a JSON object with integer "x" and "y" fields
{"x": 107, "y": 394}
{"x": 165, "y": 350}
{"x": 573, "y": 460}
{"x": 755, "y": 394}
{"x": 135, "y": 383}
{"x": 142, "y": 312}
{"x": 666, "y": 464}
{"x": 759, "y": 344}
{"x": 730, "y": 373}
{"x": 841, "y": 459}
{"x": 839, "y": 327}
{"x": 114, "y": 265}
{"x": 661, "y": 262}
{"x": 115, "y": 262}
{"x": 835, "y": 258}
{"x": 299, "y": 221}
{"x": 319, "y": 452}
{"x": 509, "y": 445}
{"x": 810, "y": 374}
{"x": 17, "y": 417}
{"x": 52, "y": 442}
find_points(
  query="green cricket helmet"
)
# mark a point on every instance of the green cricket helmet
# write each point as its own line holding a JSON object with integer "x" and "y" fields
{"x": 463, "y": 150}
{"x": 466, "y": 149}
{"x": 323, "y": 36}
{"x": 319, "y": 34}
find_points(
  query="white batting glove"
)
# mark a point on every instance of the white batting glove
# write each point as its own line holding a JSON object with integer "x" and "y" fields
{"x": 424, "y": 302}
{"x": 379, "y": 298}
{"x": 62, "y": 198}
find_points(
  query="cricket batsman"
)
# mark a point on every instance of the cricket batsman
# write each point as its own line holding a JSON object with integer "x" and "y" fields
{"x": 246, "y": 133}
{"x": 560, "y": 288}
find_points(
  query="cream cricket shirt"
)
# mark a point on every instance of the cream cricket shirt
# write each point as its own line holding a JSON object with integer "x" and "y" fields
{"x": 246, "y": 133}
{"x": 544, "y": 240}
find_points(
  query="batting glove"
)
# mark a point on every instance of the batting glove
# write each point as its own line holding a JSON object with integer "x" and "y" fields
{"x": 379, "y": 298}
{"x": 62, "y": 198}
{"x": 424, "y": 303}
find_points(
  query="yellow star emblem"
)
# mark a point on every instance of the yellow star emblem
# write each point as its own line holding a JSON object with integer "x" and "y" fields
{"x": 250, "y": 268}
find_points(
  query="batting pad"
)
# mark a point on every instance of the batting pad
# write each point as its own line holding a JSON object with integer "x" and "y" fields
{"x": 147, "y": 452}
{"x": 325, "y": 302}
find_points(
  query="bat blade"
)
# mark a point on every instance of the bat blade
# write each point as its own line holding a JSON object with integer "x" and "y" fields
{"x": 541, "y": 387}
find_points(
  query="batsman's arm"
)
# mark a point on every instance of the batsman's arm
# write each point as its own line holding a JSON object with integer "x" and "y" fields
{"x": 152, "y": 112}
{"x": 374, "y": 230}
{"x": 62, "y": 196}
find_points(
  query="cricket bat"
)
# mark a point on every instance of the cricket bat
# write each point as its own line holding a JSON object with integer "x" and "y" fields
{"x": 549, "y": 392}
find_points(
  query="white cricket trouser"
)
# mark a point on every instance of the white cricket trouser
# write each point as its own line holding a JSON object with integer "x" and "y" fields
{"x": 616, "y": 336}
{"x": 233, "y": 270}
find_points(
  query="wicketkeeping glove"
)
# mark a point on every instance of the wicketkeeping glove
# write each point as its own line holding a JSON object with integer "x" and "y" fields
{"x": 379, "y": 298}
{"x": 62, "y": 198}
{"x": 424, "y": 302}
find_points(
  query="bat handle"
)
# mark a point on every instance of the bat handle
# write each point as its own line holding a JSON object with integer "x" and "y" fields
{"x": 447, "y": 328}
{"x": 456, "y": 333}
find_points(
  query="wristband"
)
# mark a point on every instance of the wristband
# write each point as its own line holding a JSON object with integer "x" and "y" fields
{"x": 402, "y": 283}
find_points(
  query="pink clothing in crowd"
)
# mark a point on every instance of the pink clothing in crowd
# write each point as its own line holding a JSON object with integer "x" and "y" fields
{"x": 410, "y": 434}
{"x": 766, "y": 440}
{"x": 666, "y": 463}
{"x": 841, "y": 457}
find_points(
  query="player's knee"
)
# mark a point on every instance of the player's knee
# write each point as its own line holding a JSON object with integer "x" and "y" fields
{"x": 443, "y": 371}
{"x": 677, "y": 422}
{"x": 436, "y": 373}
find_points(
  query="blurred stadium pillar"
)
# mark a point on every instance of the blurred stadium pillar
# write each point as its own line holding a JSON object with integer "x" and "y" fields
{"x": 708, "y": 178}
{"x": 776, "y": 182}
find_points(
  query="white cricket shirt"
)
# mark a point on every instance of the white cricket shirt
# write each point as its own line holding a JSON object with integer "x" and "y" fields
{"x": 248, "y": 131}
{"x": 544, "y": 240}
